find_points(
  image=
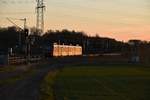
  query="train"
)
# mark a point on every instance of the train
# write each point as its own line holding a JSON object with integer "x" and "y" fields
{"x": 57, "y": 50}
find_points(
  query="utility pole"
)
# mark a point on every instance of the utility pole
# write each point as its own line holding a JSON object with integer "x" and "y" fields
{"x": 27, "y": 43}
{"x": 40, "y": 16}
{"x": 27, "y": 40}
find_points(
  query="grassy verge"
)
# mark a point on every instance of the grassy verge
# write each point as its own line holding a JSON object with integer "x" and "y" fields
{"x": 8, "y": 69}
{"x": 21, "y": 74}
{"x": 46, "y": 89}
{"x": 9, "y": 80}
{"x": 16, "y": 78}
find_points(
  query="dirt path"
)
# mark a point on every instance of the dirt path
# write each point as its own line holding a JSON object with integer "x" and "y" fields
{"x": 26, "y": 88}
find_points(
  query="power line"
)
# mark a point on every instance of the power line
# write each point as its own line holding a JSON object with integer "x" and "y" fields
{"x": 13, "y": 23}
{"x": 15, "y": 13}
{"x": 16, "y": 1}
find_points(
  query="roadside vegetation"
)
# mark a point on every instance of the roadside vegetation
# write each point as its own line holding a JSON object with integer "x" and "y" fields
{"x": 7, "y": 69}
{"x": 46, "y": 89}
{"x": 14, "y": 73}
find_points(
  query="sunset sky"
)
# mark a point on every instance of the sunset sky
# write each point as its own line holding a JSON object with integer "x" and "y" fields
{"x": 120, "y": 19}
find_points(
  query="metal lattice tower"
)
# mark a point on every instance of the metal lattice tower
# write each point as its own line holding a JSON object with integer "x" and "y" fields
{"x": 40, "y": 16}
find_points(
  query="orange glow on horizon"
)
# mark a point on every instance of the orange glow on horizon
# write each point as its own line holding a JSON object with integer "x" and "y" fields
{"x": 119, "y": 19}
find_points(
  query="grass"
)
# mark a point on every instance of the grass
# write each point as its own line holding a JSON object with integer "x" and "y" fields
{"x": 21, "y": 74}
{"x": 10, "y": 80}
{"x": 46, "y": 89}
{"x": 15, "y": 78}
{"x": 103, "y": 83}
{"x": 7, "y": 69}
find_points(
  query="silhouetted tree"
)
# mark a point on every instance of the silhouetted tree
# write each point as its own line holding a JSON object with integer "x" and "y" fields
{"x": 9, "y": 38}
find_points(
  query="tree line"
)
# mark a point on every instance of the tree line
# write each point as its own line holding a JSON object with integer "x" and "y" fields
{"x": 11, "y": 37}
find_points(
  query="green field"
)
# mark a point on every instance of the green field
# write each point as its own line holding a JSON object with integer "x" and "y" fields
{"x": 103, "y": 83}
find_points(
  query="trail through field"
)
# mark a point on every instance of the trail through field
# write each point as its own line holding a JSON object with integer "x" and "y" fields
{"x": 25, "y": 89}
{"x": 25, "y": 85}
{"x": 88, "y": 82}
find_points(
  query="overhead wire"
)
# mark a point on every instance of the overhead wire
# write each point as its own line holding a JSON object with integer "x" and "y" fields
{"x": 16, "y": 1}
{"x": 15, "y": 13}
